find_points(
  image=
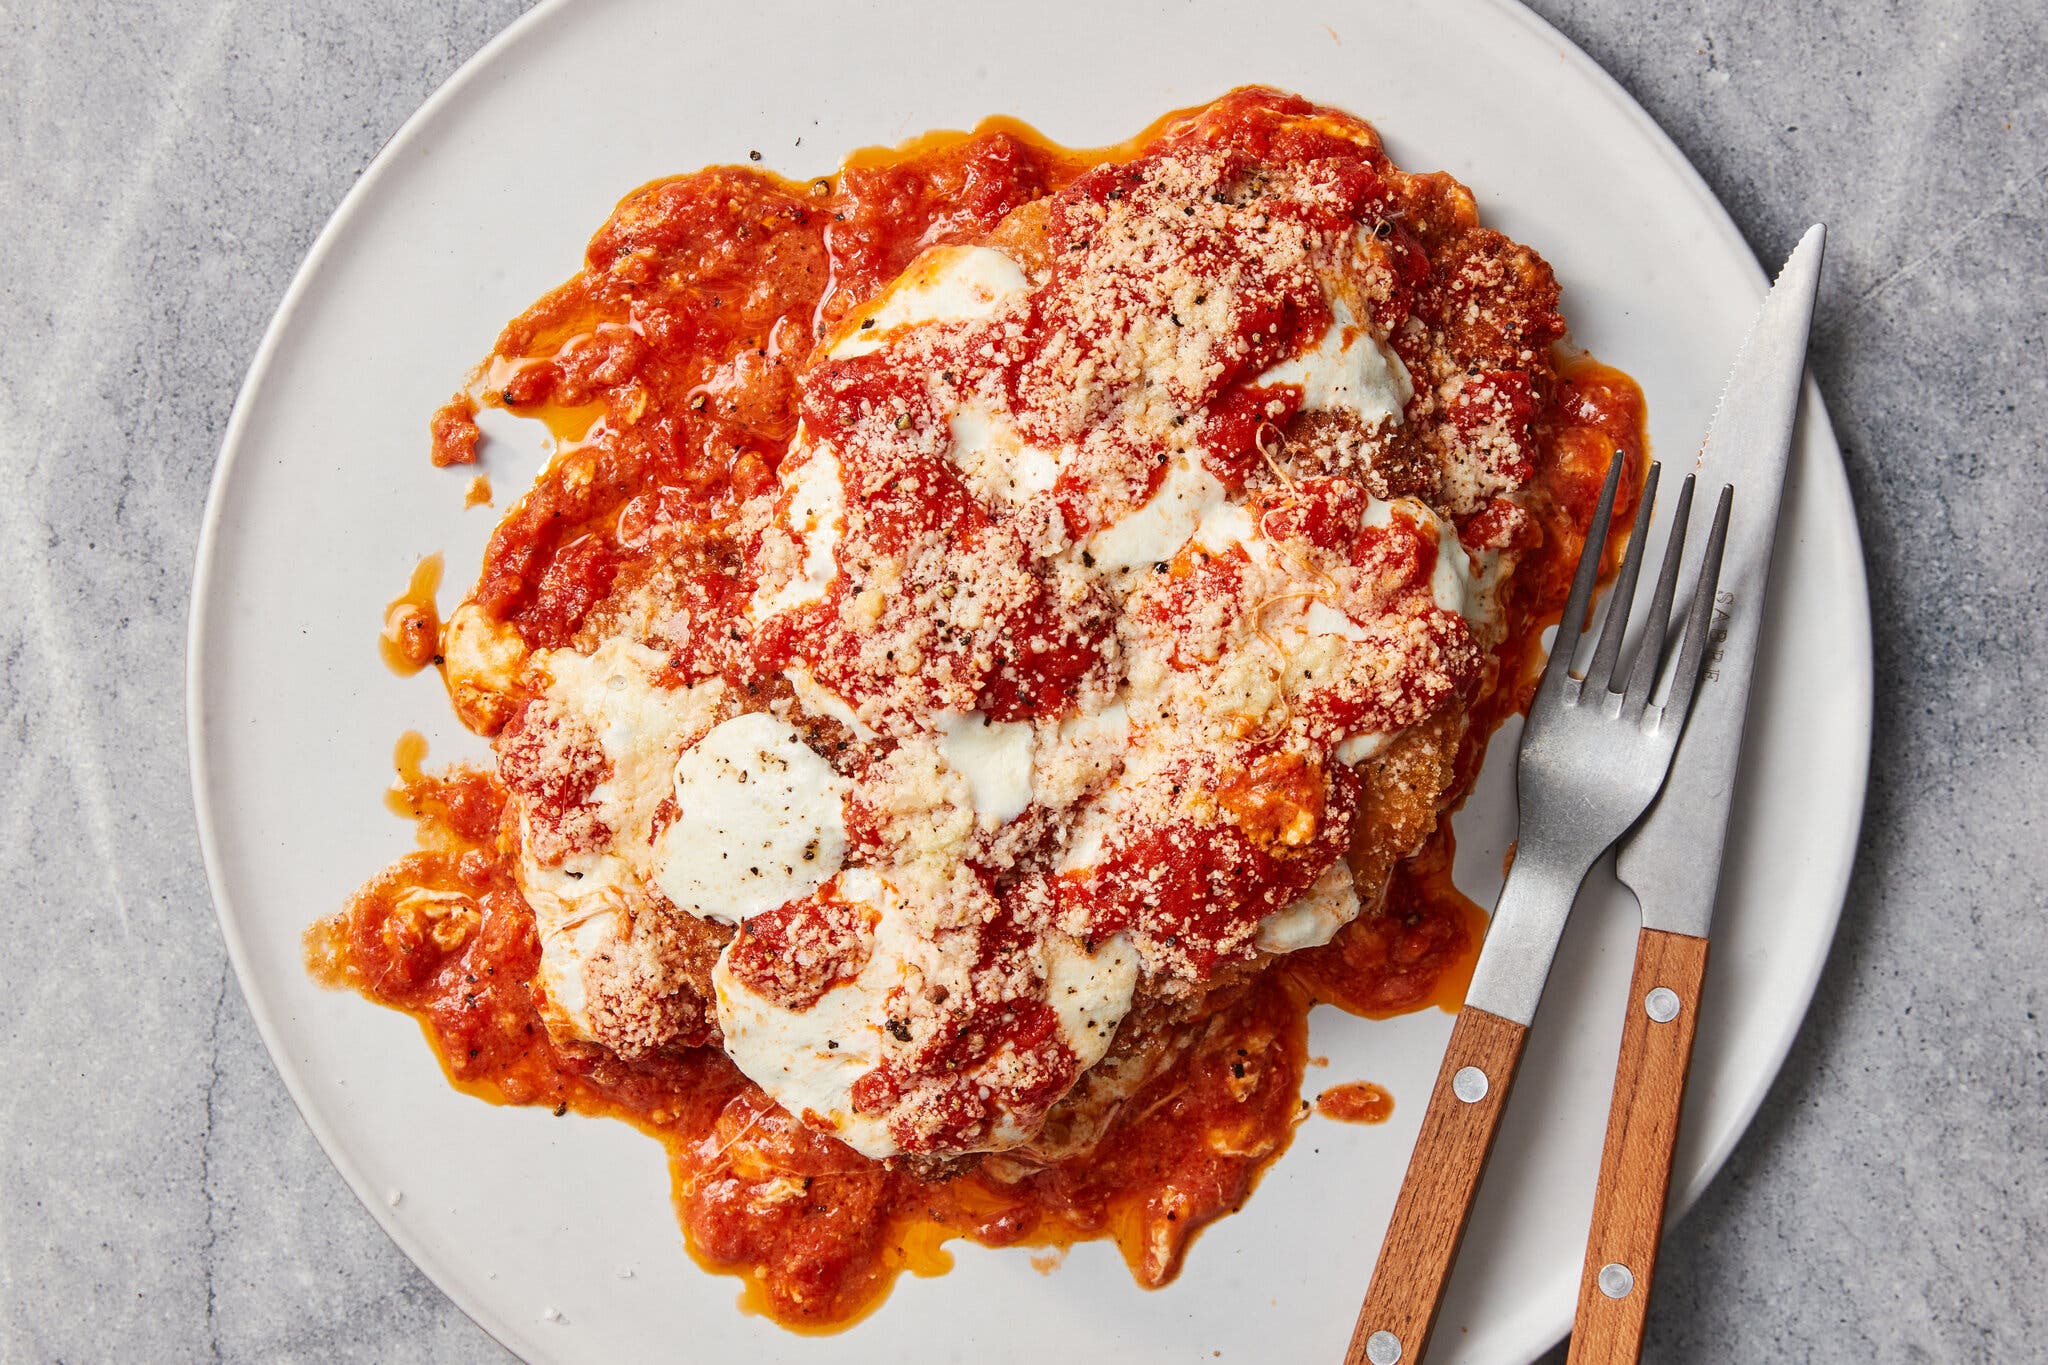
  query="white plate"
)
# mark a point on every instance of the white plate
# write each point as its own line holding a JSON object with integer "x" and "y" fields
{"x": 324, "y": 497}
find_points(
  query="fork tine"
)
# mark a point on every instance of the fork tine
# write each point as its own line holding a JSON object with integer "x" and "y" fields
{"x": 1573, "y": 623}
{"x": 1650, "y": 654}
{"x": 1621, "y": 598}
{"x": 1701, "y": 618}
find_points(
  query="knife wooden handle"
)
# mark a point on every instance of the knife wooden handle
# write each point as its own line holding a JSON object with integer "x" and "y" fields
{"x": 1642, "y": 1129}
{"x": 1436, "y": 1195}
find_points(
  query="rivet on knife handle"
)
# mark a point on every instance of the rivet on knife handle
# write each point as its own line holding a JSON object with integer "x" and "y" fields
{"x": 1635, "y": 1165}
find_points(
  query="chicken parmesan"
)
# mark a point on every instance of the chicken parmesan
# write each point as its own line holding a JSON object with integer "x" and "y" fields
{"x": 997, "y": 639}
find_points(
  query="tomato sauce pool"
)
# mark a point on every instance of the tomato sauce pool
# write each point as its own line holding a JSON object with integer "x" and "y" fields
{"x": 701, "y": 300}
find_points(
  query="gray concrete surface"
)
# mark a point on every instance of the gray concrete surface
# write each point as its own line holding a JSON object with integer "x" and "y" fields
{"x": 165, "y": 166}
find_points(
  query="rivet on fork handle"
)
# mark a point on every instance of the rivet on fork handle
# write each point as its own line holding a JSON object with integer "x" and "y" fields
{"x": 1436, "y": 1199}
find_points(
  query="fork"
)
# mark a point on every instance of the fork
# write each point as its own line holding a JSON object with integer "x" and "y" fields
{"x": 1594, "y": 753}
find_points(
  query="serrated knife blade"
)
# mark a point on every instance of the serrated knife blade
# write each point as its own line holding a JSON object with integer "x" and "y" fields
{"x": 1672, "y": 859}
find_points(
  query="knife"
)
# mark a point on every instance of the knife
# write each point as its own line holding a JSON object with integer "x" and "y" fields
{"x": 1672, "y": 859}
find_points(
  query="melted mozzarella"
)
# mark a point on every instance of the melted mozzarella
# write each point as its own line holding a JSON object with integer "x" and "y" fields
{"x": 1452, "y": 584}
{"x": 1153, "y": 533}
{"x": 808, "y": 1060}
{"x": 1109, "y": 724}
{"x": 1313, "y": 920}
{"x": 1324, "y": 619}
{"x": 1078, "y": 754}
{"x": 817, "y": 520}
{"x": 1466, "y": 583}
{"x": 760, "y": 821}
{"x": 994, "y": 757}
{"x": 583, "y": 906}
{"x": 1090, "y": 992}
{"x": 1095, "y": 822}
{"x": 945, "y": 284}
{"x": 1089, "y": 841}
{"x": 640, "y": 725}
{"x": 1355, "y": 749}
{"x": 816, "y": 699}
{"x": 1226, "y": 526}
{"x": 1348, "y": 370}
{"x": 481, "y": 662}
{"x": 1000, "y": 465}
{"x": 580, "y": 912}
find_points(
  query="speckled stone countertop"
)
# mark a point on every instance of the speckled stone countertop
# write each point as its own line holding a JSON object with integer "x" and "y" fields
{"x": 166, "y": 166}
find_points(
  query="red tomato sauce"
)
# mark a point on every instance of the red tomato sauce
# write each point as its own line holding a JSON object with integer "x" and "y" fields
{"x": 1356, "y": 1102}
{"x": 411, "y": 638}
{"x": 667, "y": 371}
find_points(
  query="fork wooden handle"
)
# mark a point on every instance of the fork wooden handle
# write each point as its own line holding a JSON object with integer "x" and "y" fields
{"x": 1635, "y": 1166}
{"x": 1436, "y": 1195}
